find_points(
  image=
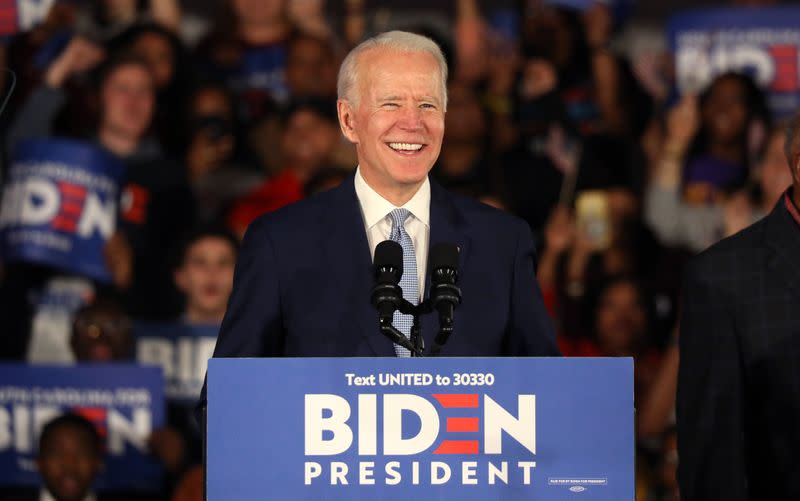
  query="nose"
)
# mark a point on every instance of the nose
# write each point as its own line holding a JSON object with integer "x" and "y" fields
{"x": 410, "y": 119}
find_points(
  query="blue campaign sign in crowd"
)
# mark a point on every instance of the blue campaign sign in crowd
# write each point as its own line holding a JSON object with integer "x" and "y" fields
{"x": 182, "y": 351}
{"x": 764, "y": 43}
{"x": 60, "y": 205}
{"x": 124, "y": 402}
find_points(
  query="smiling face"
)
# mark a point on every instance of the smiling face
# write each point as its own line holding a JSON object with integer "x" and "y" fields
{"x": 128, "y": 101}
{"x": 397, "y": 124}
{"x": 69, "y": 463}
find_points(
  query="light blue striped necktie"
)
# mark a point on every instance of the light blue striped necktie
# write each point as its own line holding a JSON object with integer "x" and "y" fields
{"x": 409, "y": 281}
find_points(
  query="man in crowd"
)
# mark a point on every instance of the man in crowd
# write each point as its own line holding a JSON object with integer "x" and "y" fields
{"x": 739, "y": 381}
{"x": 70, "y": 459}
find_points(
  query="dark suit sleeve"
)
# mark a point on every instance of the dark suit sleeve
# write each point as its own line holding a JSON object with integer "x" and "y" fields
{"x": 530, "y": 332}
{"x": 710, "y": 407}
{"x": 252, "y": 326}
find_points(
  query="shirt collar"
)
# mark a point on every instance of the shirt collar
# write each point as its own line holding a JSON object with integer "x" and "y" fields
{"x": 790, "y": 206}
{"x": 375, "y": 207}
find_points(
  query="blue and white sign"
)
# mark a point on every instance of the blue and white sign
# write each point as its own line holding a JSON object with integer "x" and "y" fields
{"x": 763, "y": 42}
{"x": 125, "y": 402}
{"x": 59, "y": 205}
{"x": 182, "y": 351}
{"x": 422, "y": 429}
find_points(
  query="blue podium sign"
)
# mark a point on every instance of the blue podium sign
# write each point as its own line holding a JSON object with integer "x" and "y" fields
{"x": 427, "y": 428}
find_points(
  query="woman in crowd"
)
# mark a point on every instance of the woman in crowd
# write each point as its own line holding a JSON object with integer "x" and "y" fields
{"x": 711, "y": 144}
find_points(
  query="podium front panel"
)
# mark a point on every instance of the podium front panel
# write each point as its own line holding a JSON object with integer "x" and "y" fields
{"x": 420, "y": 429}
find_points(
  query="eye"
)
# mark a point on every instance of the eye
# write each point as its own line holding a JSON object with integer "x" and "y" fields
{"x": 391, "y": 105}
{"x": 428, "y": 106}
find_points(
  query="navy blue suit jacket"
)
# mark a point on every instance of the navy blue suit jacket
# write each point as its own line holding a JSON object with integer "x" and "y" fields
{"x": 304, "y": 276}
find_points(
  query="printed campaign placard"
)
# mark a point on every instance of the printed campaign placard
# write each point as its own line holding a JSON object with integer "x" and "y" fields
{"x": 125, "y": 402}
{"x": 421, "y": 428}
{"x": 182, "y": 351}
{"x": 59, "y": 205}
{"x": 762, "y": 42}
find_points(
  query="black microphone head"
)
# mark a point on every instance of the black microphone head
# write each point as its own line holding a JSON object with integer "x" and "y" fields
{"x": 443, "y": 255}
{"x": 389, "y": 258}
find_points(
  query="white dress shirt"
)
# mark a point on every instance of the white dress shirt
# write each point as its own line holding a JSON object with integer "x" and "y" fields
{"x": 375, "y": 212}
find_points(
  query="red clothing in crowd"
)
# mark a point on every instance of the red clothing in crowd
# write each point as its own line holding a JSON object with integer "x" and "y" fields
{"x": 279, "y": 191}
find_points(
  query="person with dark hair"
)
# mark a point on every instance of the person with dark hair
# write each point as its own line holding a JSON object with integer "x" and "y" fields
{"x": 167, "y": 58}
{"x": 102, "y": 332}
{"x": 309, "y": 140}
{"x": 205, "y": 274}
{"x": 220, "y": 170}
{"x": 156, "y": 203}
{"x": 738, "y": 400}
{"x": 711, "y": 145}
{"x": 311, "y": 64}
{"x": 621, "y": 316}
{"x": 69, "y": 460}
{"x": 70, "y": 457}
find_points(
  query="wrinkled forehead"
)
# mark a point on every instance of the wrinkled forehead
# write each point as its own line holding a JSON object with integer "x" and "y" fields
{"x": 382, "y": 72}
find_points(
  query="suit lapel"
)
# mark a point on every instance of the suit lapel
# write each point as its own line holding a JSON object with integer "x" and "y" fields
{"x": 346, "y": 249}
{"x": 447, "y": 226}
{"x": 783, "y": 236}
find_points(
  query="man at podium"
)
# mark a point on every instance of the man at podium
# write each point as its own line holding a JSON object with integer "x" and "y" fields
{"x": 304, "y": 276}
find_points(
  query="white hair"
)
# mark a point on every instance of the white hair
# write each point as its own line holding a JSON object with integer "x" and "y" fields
{"x": 401, "y": 41}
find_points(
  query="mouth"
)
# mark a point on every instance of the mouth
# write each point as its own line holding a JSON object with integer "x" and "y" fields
{"x": 101, "y": 352}
{"x": 406, "y": 149}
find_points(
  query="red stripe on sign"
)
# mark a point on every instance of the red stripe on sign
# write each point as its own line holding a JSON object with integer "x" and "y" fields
{"x": 62, "y": 223}
{"x": 73, "y": 190}
{"x": 459, "y": 401}
{"x": 457, "y": 447}
{"x": 70, "y": 207}
{"x": 462, "y": 424}
{"x": 96, "y": 414}
{"x": 785, "y": 79}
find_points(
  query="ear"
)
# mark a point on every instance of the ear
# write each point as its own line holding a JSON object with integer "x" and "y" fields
{"x": 347, "y": 120}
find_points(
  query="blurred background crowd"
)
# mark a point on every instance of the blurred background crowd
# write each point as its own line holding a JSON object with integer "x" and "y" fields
{"x": 563, "y": 113}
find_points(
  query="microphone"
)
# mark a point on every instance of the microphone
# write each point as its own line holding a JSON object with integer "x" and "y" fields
{"x": 445, "y": 293}
{"x": 388, "y": 266}
{"x": 387, "y": 296}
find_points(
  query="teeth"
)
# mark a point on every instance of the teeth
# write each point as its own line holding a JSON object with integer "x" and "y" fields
{"x": 405, "y": 146}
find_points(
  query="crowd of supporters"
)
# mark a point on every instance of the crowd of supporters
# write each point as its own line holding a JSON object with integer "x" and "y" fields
{"x": 219, "y": 118}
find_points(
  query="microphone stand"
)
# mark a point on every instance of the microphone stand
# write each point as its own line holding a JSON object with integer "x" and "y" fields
{"x": 415, "y": 336}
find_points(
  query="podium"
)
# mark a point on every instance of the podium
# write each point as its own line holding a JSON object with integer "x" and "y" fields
{"x": 420, "y": 429}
